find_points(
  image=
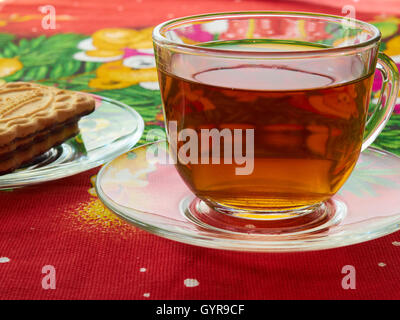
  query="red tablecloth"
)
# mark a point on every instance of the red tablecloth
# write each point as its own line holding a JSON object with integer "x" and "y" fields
{"x": 97, "y": 256}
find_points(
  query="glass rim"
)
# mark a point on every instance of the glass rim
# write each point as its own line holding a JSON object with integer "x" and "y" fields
{"x": 159, "y": 39}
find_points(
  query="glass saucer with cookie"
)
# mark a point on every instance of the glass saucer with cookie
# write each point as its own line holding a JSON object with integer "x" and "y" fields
{"x": 47, "y": 133}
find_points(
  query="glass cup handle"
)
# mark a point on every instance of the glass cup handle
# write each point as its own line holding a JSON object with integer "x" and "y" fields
{"x": 386, "y": 101}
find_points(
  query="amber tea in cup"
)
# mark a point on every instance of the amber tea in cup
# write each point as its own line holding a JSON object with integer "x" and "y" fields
{"x": 300, "y": 82}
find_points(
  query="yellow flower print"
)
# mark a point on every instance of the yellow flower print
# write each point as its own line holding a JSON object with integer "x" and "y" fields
{"x": 101, "y": 53}
{"x": 8, "y": 66}
{"x": 116, "y": 75}
{"x": 113, "y": 38}
{"x": 109, "y": 44}
{"x": 127, "y": 55}
{"x": 393, "y": 46}
{"x": 142, "y": 40}
{"x": 110, "y": 39}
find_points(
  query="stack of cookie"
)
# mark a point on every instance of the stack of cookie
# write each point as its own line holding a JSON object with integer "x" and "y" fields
{"x": 35, "y": 118}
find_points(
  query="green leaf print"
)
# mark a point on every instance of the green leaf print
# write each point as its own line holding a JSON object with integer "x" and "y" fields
{"x": 5, "y": 37}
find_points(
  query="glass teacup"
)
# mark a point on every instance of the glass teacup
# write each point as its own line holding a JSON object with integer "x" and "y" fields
{"x": 267, "y": 112}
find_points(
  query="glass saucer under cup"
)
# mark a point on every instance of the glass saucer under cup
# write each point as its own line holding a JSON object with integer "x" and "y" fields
{"x": 152, "y": 196}
{"x": 111, "y": 129}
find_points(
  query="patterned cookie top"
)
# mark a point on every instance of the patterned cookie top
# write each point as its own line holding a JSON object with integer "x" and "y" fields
{"x": 26, "y": 108}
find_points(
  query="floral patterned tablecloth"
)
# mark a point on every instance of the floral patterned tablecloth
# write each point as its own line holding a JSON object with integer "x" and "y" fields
{"x": 106, "y": 49}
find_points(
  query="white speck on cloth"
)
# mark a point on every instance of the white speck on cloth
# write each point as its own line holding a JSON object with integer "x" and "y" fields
{"x": 191, "y": 283}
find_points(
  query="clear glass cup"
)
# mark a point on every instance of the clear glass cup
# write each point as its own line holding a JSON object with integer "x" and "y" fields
{"x": 282, "y": 96}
